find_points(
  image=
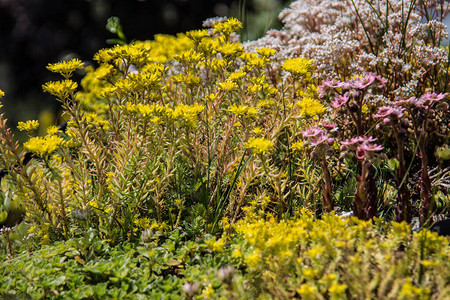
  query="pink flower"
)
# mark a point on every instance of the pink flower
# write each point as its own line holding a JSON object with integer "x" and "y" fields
{"x": 364, "y": 139}
{"x": 389, "y": 111}
{"x": 413, "y": 101}
{"x": 433, "y": 97}
{"x": 341, "y": 100}
{"x": 365, "y": 82}
{"x": 364, "y": 148}
{"x": 319, "y": 139}
{"x": 329, "y": 125}
{"x": 331, "y": 83}
{"x": 312, "y": 132}
{"x": 349, "y": 144}
{"x": 327, "y": 86}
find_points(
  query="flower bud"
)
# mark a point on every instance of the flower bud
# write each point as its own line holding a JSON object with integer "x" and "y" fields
{"x": 404, "y": 123}
{"x": 226, "y": 274}
{"x": 190, "y": 288}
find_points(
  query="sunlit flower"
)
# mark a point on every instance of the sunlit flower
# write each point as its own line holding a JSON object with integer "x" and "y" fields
{"x": 43, "y": 146}
{"x": 260, "y": 145}
{"x": 66, "y": 68}
{"x": 28, "y": 125}
{"x": 52, "y": 130}
{"x": 297, "y": 66}
{"x": 60, "y": 89}
{"x": 266, "y": 52}
{"x": 227, "y": 86}
{"x": 310, "y": 107}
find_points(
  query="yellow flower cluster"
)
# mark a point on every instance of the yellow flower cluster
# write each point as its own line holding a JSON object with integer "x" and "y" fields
{"x": 227, "y": 27}
{"x": 164, "y": 47}
{"x": 244, "y": 111}
{"x": 60, "y": 89}
{"x": 66, "y": 68}
{"x": 43, "y": 146}
{"x": 122, "y": 56}
{"x": 310, "y": 107}
{"x": 297, "y": 66}
{"x": 186, "y": 115}
{"x": 266, "y": 52}
{"x": 312, "y": 249}
{"x": 260, "y": 145}
{"x": 227, "y": 86}
{"x": 28, "y": 125}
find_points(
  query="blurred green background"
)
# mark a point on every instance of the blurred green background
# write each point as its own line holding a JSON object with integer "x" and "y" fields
{"x": 34, "y": 33}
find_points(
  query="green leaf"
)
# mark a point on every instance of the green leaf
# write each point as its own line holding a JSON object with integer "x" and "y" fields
{"x": 3, "y": 215}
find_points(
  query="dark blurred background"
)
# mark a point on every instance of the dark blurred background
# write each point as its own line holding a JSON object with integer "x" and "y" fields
{"x": 34, "y": 33}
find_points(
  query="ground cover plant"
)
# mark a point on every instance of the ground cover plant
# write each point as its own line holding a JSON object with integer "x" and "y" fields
{"x": 198, "y": 166}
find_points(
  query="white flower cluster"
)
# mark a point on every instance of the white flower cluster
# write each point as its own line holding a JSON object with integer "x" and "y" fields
{"x": 351, "y": 37}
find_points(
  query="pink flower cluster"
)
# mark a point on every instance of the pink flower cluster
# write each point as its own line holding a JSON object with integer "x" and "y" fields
{"x": 352, "y": 87}
{"x": 362, "y": 146}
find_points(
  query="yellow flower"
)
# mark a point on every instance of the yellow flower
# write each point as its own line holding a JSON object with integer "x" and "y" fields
{"x": 307, "y": 291}
{"x": 227, "y": 86}
{"x": 230, "y": 49}
{"x": 211, "y": 97}
{"x": 244, "y": 111}
{"x": 297, "y": 146}
{"x": 257, "y": 130}
{"x": 297, "y": 66}
{"x": 43, "y": 146}
{"x": 266, "y": 52}
{"x": 197, "y": 35}
{"x": 142, "y": 223}
{"x": 60, "y": 89}
{"x": 28, "y": 125}
{"x": 2, "y": 94}
{"x": 52, "y": 130}
{"x": 310, "y": 107}
{"x": 236, "y": 76}
{"x": 259, "y": 145}
{"x": 253, "y": 259}
{"x": 66, "y": 68}
{"x": 227, "y": 27}
{"x": 189, "y": 56}
{"x": 187, "y": 114}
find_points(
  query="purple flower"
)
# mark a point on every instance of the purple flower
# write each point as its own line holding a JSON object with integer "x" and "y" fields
{"x": 341, "y": 100}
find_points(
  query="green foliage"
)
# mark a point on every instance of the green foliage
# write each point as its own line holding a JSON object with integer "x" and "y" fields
{"x": 329, "y": 258}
